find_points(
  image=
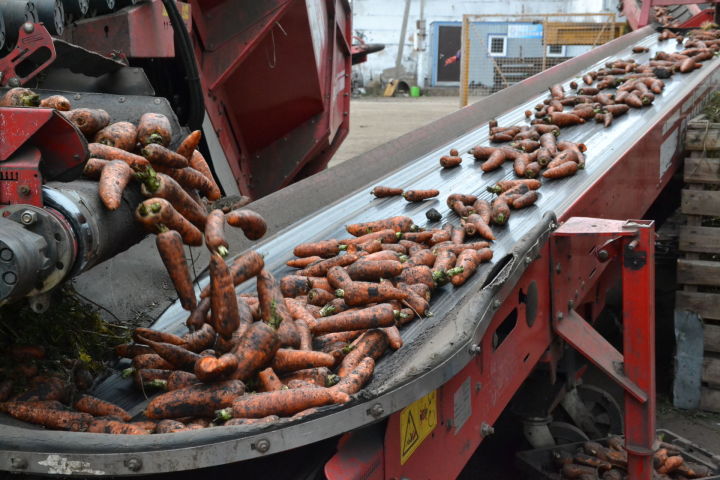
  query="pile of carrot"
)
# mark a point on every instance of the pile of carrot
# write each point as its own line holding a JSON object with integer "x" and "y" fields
{"x": 593, "y": 460}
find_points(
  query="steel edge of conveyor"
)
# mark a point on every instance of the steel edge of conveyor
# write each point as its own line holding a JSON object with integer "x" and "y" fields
{"x": 222, "y": 442}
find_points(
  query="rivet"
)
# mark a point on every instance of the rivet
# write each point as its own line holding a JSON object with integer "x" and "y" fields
{"x": 376, "y": 410}
{"x": 475, "y": 349}
{"x": 486, "y": 430}
{"x": 133, "y": 463}
{"x": 262, "y": 445}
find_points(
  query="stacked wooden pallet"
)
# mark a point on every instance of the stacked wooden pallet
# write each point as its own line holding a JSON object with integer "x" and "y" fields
{"x": 698, "y": 268}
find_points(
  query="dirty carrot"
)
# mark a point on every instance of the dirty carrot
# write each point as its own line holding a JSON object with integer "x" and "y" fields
{"x": 20, "y": 97}
{"x": 357, "y": 378}
{"x": 209, "y": 369}
{"x": 198, "y": 315}
{"x": 525, "y": 200}
{"x": 154, "y": 128}
{"x": 323, "y": 248}
{"x": 58, "y": 102}
{"x": 50, "y": 418}
{"x": 189, "y": 144}
{"x": 244, "y": 267}
{"x": 121, "y": 135}
{"x": 269, "y": 381}
{"x": 565, "y": 170}
{"x": 188, "y": 177}
{"x": 419, "y": 195}
{"x": 199, "y": 400}
{"x": 225, "y": 317}
{"x": 251, "y": 223}
{"x": 394, "y": 338}
{"x": 289, "y": 360}
{"x": 147, "y": 360}
{"x": 494, "y": 160}
{"x": 447, "y": 161}
{"x": 114, "y": 177}
{"x": 362, "y": 293}
{"x": 381, "y": 315}
{"x": 382, "y": 192}
{"x": 177, "y": 355}
{"x": 156, "y": 213}
{"x": 398, "y": 224}
{"x": 130, "y": 350}
{"x": 469, "y": 260}
{"x": 209, "y": 187}
{"x": 163, "y": 186}
{"x": 255, "y": 349}
{"x": 321, "y": 268}
{"x": 180, "y": 379}
{"x": 304, "y": 330}
{"x": 106, "y": 152}
{"x": 319, "y": 297}
{"x": 89, "y": 121}
{"x": 200, "y": 339}
{"x": 320, "y": 376}
{"x": 303, "y": 262}
{"x": 100, "y": 408}
{"x": 215, "y": 233}
{"x": 171, "y": 250}
{"x": 374, "y": 269}
{"x": 93, "y": 168}
{"x": 475, "y": 225}
{"x": 282, "y": 402}
{"x": 372, "y": 343}
{"x": 500, "y": 212}
{"x": 115, "y": 427}
{"x": 418, "y": 274}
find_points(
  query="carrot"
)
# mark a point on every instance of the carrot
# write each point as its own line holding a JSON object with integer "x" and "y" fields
{"x": 208, "y": 186}
{"x": 304, "y": 331}
{"x": 303, "y": 262}
{"x": 283, "y": 402}
{"x": 200, "y": 339}
{"x": 225, "y": 317}
{"x": 671, "y": 464}
{"x": 418, "y": 237}
{"x": 319, "y": 297}
{"x": 252, "y": 421}
{"x": 321, "y": 268}
{"x": 58, "y": 102}
{"x": 336, "y": 306}
{"x": 106, "y": 152}
{"x": 156, "y": 213}
{"x": 172, "y": 253}
{"x": 158, "y": 155}
{"x": 244, "y": 267}
{"x": 180, "y": 379}
{"x": 154, "y": 128}
{"x": 177, "y": 355}
{"x": 189, "y": 144}
{"x": 565, "y": 170}
{"x": 122, "y": 135}
{"x": 381, "y": 315}
{"x": 419, "y": 195}
{"x": 372, "y": 343}
{"x": 525, "y": 200}
{"x": 398, "y": 224}
{"x": 6, "y": 388}
{"x": 170, "y": 426}
{"x": 209, "y": 369}
{"x": 324, "y": 249}
{"x": 469, "y": 260}
{"x": 320, "y": 376}
{"x": 115, "y": 427}
{"x": 505, "y": 185}
{"x": 215, "y": 233}
{"x": 199, "y": 315}
{"x": 354, "y": 381}
{"x": 500, "y": 211}
{"x": 255, "y": 349}
{"x": 448, "y": 161}
{"x": 187, "y": 177}
{"x": 147, "y": 360}
{"x": 272, "y": 304}
{"x": 151, "y": 378}
{"x": 294, "y": 285}
{"x": 374, "y": 269}
{"x": 50, "y": 418}
{"x": 288, "y": 360}
{"x": 557, "y": 91}
{"x": 361, "y": 293}
{"x": 100, "y": 408}
{"x": 475, "y": 225}
{"x": 418, "y": 274}
{"x": 130, "y": 350}
{"x": 494, "y": 161}
{"x": 382, "y": 192}
{"x": 394, "y": 247}
{"x": 156, "y": 335}
{"x": 93, "y": 168}
{"x": 20, "y": 97}
{"x": 251, "y": 223}
{"x": 387, "y": 235}
{"x": 163, "y": 186}
{"x": 89, "y": 121}
{"x": 269, "y": 381}
{"x": 296, "y": 383}
{"x": 394, "y": 338}
{"x": 564, "y": 119}
{"x": 114, "y": 177}
{"x": 200, "y": 400}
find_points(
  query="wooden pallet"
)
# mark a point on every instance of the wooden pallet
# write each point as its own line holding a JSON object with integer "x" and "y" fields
{"x": 696, "y": 269}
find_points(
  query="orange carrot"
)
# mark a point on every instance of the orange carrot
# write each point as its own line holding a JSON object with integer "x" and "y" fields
{"x": 209, "y": 369}
{"x": 106, "y": 152}
{"x": 147, "y": 360}
{"x": 163, "y": 186}
{"x": 319, "y": 297}
{"x": 50, "y": 418}
{"x": 187, "y": 177}
{"x": 525, "y": 200}
{"x": 89, "y": 121}
{"x": 20, "y": 97}
{"x": 252, "y": 421}
{"x": 251, "y": 223}
{"x": 394, "y": 338}
{"x": 321, "y": 268}
{"x": 99, "y": 408}
{"x": 362, "y": 293}
{"x": 130, "y": 350}
{"x": 181, "y": 379}
{"x": 303, "y": 262}
{"x": 421, "y": 257}
{"x": 417, "y": 274}
{"x": 449, "y": 161}
{"x": 172, "y": 253}
{"x": 494, "y": 160}
{"x": 565, "y": 170}
{"x": 199, "y": 400}
{"x": 215, "y": 233}
{"x": 398, "y": 224}
{"x": 210, "y": 188}
{"x": 58, "y": 102}
{"x": 469, "y": 260}
{"x": 269, "y": 381}
{"x": 151, "y": 378}
{"x": 305, "y": 333}
{"x": 373, "y": 270}
{"x": 156, "y": 213}
{"x": 288, "y": 360}
{"x": 324, "y": 249}
{"x": 189, "y": 144}
{"x": 115, "y": 427}
{"x": 159, "y": 155}
{"x": 505, "y": 185}
{"x": 121, "y": 135}
{"x": 114, "y": 177}
{"x": 200, "y": 339}
{"x": 170, "y": 426}
{"x": 475, "y": 225}
{"x": 177, "y": 355}
{"x": 255, "y": 349}
{"x": 243, "y": 268}
{"x": 93, "y": 168}
{"x": 500, "y": 211}
{"x": 225, "y": 317}
{"x": 372, "y": 343}
{"x": 384, "y": 236}
{"x": 357, "y": 378}
{"x": 319, "y": 376}
{"x": 157, "y": 336}
{"x": 381, "y": 192}
{"x": 154, "y": 128}
{"x": 282, "y": 402}
{"x": 296, "y": 383}
{"x": 381, "y": 315}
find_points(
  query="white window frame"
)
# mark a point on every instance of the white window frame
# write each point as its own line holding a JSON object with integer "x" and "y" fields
{"x": 563, "y": 50}
{"x": 505, "y": 45}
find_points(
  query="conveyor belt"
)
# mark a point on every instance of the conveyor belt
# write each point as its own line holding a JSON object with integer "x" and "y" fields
{"x": 436, "y": 347}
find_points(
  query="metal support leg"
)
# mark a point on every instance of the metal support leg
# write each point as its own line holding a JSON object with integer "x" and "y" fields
{"x": 638, "y": 279}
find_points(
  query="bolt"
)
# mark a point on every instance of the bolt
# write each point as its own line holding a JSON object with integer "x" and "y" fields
{"x": 560, "y": 316}
{"x": 528, "y": 260}
{"x": 262, "y": 445}
{"x": 603, "y": 255}
{"x": 28, "y": 27}
{"x": 486, "y": 430}
{"x": 28, "y": 217}
{"x": 478, "y": 386}
{"x": 14, "y": 82}
{"x": 6, "y": 255}
{"x": 558, "y": 268}
{"x": 77, "y": 96}
{"x": 156, "y": 101}
{"x": 475, "y": 349}
{"x": 571, "y": 304}
{"x": 376, "y": 410}
{"x": 632, "y": 245}
{"x": 496, "y": 303}
{"x": 24, "y": 190}
{"x": 18, "y": 463}
{"x": 133, "y": 463}
{"x": 122, "y": 100}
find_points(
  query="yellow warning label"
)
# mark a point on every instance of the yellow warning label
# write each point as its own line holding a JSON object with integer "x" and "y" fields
{"x": 184, "y": 11}
{"x": 417, "y": 421}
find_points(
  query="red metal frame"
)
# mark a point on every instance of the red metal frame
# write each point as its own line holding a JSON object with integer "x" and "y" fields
{"x": 638, "y": 16}
{"x": 30, "y": 45}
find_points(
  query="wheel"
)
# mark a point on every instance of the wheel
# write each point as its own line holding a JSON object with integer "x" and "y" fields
{"x": 564, "y": 433}
{"x": 606, "y": 413}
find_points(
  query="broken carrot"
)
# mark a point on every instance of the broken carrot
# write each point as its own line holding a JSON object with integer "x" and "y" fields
{"x": 100, "y": 408}
{"x": 189, "y": 144}
{"x": 251, "y": 223}
{"x": 419, "y": 195}
{"x": 171, "y": 250}
{"x": 114, "y": 177}
{"x": 89, "y": 121}
{"x": 121, "y": 135}
{"x": 382, "y": 192}
{"x": 210, "y": 187}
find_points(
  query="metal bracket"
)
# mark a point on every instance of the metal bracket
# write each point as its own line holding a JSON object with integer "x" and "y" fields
{"x": 33, "y": 41}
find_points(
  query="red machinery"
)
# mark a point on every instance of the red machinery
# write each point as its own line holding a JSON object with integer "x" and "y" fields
{"x": 431, "y": 403}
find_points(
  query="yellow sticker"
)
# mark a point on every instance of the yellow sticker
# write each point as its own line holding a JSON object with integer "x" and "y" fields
{"x": 184, "y": 11}
{"x": 417, "y": 421}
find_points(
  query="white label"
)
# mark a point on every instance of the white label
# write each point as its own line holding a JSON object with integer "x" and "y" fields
{"x": 667, "y": 151}
{"x": 670, "y": 122}
{"x": 462, "y": 407}
{"x": 58, "y": 465}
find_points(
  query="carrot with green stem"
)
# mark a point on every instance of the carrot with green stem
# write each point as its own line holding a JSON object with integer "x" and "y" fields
{"x": 199, "y": 400}
{"x": 319, "y": 297}
{"x": 418, "y": 274}
{"x": 469, "y": 260}
{"x": 321, "y": 268}
{"x": 189, "y": 144}
{"x": 163, "y": 186}
{"x": 210, "y": 188}
{"x": 356, "y": 379}
{"x": 398, "y": 224}
{"x": 251, "y": 223}
{"x": 500, "y": 211}
{"x": 382, "y": 192}
{"x": 382, "y": 315}
{"x": 156, "y": 213}
{"x": 187, "y": 177}
{"x": 151, "y": 378}
{"x": 177, "y": 355}
{"x": 147, "y": 360}
{"x": 20, "y": 97}
{"x": 154, "y": 128}
{"x": 372, "y": 343}
{"x": 282, "y": 402}
{"x": 172, "y": 252}
{"x": 100, "y": 408}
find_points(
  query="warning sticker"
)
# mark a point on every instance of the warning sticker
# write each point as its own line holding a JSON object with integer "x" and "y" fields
{"x": 417, "y": 421}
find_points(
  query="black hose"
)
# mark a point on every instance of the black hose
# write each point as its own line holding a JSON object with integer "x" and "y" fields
{"x": 184, "y": 50}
